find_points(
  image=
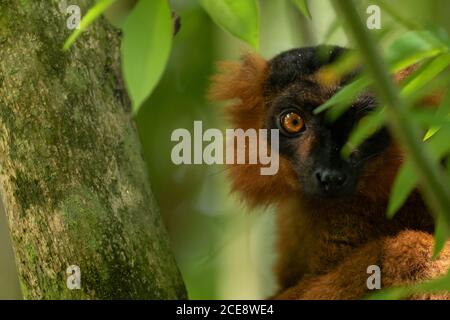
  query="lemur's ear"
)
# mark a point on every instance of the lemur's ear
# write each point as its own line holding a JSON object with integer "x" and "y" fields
{"x": 242, "y": 80}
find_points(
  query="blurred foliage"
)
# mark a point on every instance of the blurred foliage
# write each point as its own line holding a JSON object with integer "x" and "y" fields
{"x": 427, "y": 53}
{"x": 222, "y": 251}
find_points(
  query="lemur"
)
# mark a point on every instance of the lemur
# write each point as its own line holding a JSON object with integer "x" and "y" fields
{"x": 331, "y": 211}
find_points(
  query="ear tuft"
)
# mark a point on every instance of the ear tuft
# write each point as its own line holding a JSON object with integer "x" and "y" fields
{"x": 243, "y": 80}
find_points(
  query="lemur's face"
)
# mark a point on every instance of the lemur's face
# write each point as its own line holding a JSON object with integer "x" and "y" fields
{"x": 282, "y": 93}
{"x": 310, "y": 142}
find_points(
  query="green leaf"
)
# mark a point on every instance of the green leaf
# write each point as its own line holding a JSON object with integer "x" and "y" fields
{"x": 429, "y": 118}
{"x": 431, "y": 132}
{"x": 302, "y": 5}
{"x": 407, "y": 178}
{"x": 374, "y": 121}
{"x": 442, "y": 229}
{"x": 413, "y": 47}
{"x": 426, "y": 73}
{"x": 441, "y": 235}
{"x": 344, "y": 65}
{"x": 404, "y": 184}
{"x": 408, "y": 49}
{"x": 240, "y": 18}
{"x": 146, "y": 48}
{"x": 438, "y": 143}
{"x": 363, "y": 130}
{"x": 343, "y": 98}
{"x": 117, "y": 13}
{"x": 443, "y": 112}
{"x": 87, "y": 20}
{"x": 395, "y": 293}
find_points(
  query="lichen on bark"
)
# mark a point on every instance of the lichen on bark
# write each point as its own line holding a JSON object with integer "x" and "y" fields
{"x": 72, "y": 178}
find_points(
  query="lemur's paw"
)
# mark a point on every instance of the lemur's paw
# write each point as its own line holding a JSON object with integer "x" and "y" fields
{"x": 407, "y": 258}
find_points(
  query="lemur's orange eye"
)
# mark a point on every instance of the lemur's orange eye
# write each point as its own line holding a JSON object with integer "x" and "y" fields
{"x": 292, "y": 122}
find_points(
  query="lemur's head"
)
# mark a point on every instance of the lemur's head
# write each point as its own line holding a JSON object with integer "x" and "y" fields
{"x": 282, "y": 94}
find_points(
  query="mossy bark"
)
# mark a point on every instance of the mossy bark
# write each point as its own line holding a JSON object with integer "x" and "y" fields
{"x": 72, "y": 178}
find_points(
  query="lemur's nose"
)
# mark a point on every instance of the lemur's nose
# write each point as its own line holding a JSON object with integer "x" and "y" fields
{"x": 331, "y": 180}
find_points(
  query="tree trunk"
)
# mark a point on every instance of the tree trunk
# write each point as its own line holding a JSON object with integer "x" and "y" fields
{"x": 72, "y": 179}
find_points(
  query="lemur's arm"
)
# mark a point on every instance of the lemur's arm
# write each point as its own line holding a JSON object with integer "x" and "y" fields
{"x": 403, "y": 259}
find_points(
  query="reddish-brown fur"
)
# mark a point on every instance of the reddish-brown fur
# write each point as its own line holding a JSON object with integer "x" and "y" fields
{"x": 243, "y": 82}
{"x": 325, "y": 247}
